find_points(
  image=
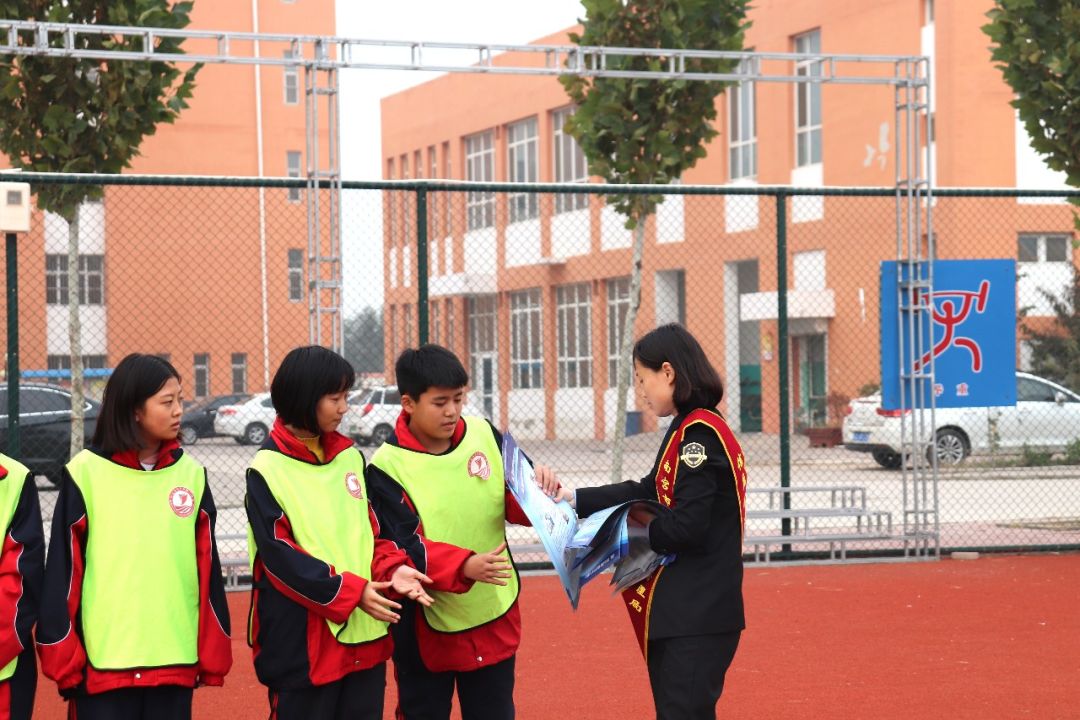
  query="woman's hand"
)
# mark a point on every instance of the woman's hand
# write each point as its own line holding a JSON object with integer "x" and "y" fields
{"x": 409, "y": 583}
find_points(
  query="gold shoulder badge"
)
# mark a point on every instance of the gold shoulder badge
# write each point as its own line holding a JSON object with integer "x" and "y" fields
{"x": 693, "y": 454}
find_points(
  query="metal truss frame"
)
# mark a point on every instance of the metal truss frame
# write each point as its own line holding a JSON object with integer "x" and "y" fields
{"x": 324, "y": 56}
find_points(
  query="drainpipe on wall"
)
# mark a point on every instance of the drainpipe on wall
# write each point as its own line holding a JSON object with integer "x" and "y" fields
{"x": 262, "y": 201}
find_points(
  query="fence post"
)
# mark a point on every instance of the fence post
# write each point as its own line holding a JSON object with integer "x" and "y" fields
{"x": 13, "y": 439}
{"x": 782, "y": 351}
{"x": 421, "y": 265}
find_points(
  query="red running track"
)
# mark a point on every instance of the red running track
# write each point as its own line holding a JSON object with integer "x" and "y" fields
{"x": 997, "y": 637}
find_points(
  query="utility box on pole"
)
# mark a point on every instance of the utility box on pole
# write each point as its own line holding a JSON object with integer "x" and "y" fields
{"x": 14, "y": 207}
{"x": 14, "y": 218}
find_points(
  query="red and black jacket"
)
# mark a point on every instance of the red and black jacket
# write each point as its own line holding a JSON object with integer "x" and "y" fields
{"x": 444, "y": 563}
{"x": 59, "y": 632}
{"x": 294, "y": 593}
{"x": 22, "y": 567}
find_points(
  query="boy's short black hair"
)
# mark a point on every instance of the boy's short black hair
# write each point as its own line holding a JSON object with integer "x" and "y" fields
{"x": 135, "y": 379}
{"x": 303, "y": 378}
{"x": 428, "y": 366}
{"x": 697, "y": 384}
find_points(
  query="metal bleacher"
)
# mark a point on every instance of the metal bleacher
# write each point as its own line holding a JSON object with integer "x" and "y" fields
{"x": 838, "y": 522}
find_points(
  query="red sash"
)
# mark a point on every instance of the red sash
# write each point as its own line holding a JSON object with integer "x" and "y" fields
{"x": 639, "y": 598}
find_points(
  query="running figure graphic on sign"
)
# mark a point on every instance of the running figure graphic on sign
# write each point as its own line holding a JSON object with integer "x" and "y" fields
{"x": 950, "y": 309}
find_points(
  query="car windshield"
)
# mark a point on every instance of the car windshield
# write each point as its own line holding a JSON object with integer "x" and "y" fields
{"x": 362, "y": 398}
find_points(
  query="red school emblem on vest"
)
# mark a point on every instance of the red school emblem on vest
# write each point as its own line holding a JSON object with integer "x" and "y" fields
{"x": 354, "y": 486}
{"x": 479, "y": 467}
{"x": 182, "y": 501}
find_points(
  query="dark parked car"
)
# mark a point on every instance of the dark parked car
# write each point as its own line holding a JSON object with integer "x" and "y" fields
{"x": 45, "y": 422}
{"x": 198, "y": 420}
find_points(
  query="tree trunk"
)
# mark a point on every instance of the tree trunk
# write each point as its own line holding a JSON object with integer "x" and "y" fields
{"x": 625, "y": 360}
{"x": 78, "y": 401}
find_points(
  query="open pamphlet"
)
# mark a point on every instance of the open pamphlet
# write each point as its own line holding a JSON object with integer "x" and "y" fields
{"x": 581, "y": 550}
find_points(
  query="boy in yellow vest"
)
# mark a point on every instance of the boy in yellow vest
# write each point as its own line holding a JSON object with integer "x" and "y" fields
{"x": 438, "y": 486}
{"x": 22, "y": 567}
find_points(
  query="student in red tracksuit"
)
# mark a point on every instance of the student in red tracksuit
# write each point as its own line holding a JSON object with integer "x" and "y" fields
{"x": 22, "y": 564}
{"x": 133, "y": 614}
{"x": 322, "y": 576}
{"x": 438, "y": 488}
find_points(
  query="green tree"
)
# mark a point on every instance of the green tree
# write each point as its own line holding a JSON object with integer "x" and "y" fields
{"x": 87, "y": 116}
{"x": 636, "y": 131}
{"x": 364, "y": 340}
{"x": 1036, "y": 44}
{"x": 1055, "y": 345}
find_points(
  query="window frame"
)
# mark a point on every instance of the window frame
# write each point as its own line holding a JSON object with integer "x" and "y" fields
{"x": 573, "y": 312}
{"x": 808, "y": 42}
{"x": 523, "y": 166}
{"x": 480, "y": 167}
{"x": 565, "y": 148}
{"x": 526, "y": 339}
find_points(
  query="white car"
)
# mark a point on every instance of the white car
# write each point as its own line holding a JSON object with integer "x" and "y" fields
{"x": 249, "y": 422}
{"x": 1046, "y": 417}
{"x": 373, "y": 413}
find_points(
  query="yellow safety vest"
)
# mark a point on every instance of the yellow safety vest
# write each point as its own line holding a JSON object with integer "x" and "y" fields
{"x": 140, "y": 595}
{"x": 327, "y": 508}
{"x": 460, "y": 498}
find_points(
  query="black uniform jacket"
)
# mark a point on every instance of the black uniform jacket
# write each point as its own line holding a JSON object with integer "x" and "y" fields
{"x": 701, "y": 592}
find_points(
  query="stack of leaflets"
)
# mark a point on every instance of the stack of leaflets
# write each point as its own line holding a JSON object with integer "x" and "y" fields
{"x": 581, "y": 551}
{"x": 612, "y": 537}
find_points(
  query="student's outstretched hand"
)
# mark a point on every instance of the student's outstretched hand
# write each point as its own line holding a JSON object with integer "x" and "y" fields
{"x": 490, "y": 567}
{"x": 545, "y": 478}
{"x": 379, "y": 606}
{"x": 408, "y": 582}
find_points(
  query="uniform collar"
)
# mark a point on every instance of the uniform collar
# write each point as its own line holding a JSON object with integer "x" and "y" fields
{"x": 405, "y": 439}
{"x": 169, "y": 453}
{"x": 333, "y": 443}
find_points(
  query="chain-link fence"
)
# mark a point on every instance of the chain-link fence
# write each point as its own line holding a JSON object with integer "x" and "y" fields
{"x": 530, "y": 287}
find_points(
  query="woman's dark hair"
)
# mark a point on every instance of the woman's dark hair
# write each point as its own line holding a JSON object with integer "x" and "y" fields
{"x": 428, "y": 366}
{"x": 303, "y": 378}
{"x": 136, "y": 379}
{"x": 697, "y": 384}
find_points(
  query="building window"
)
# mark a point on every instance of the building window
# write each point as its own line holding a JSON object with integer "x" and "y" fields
{"x": 808, "y": 101}
{"x": 451, "y": 338}
{"x": 618, "y": 304}
{"x": 433, "y": 201}
{"x": 480, "y": 167}
{"x": 393, "y": 331}
{"x": 292, "y": 81}
{"x": 406, "y": 216}
{"x": 202, "y": 374}
{"x": 407, "y": 325}
{"x": 742, "y": 126}
{"x": 570, "y": 165}
{"x": 296, "y": 275}
{"x": 292, "y": 169}
{"x": 239, "y": 372}
{"x": 91, "y": 279}
{"x": 573, "y": 305}
{"x": 526, "y": 335}
{"x": 63, "y": 362}
{"x": 1044, "y": 248}
{"x": 523, "y": 161}
{"x": 448, "y": 227}
{"x": 435, "y": 323}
